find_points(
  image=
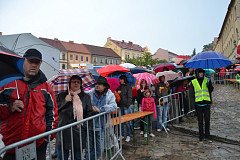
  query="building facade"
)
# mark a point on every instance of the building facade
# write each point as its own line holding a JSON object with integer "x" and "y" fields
{"x": 229, "y": 36}
{"x": 125, "y": 49}
{"x": 163, "y": 54}
{"x": 102, "y": 56}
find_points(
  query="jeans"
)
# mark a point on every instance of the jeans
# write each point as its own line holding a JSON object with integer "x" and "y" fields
{"x": 127, "y": 124}
{"x": 77, "y": 154}
{"x": 162, "y": 116}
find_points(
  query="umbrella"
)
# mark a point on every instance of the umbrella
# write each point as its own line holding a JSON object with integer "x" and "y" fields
{"x": 178, "y": 80}
{"x": 128, "y": 65}
{"x": 150, "y": 78}
{"x": 169, "y": 75}
{"x": 11, "y": 67}
{"x": 237, "y": 68}
{"x": 113, "y": 83}
{"x": 60, "y": 81}
{"x": 139, "y": 70}
{"x": 164, "y": 67}
{"x": 184, "y": 70}
{"x": 130, "y": 78}
{"x": 209, "y": 71}
{"x": 106, "y": 70}
{"x": 207, "y": 60}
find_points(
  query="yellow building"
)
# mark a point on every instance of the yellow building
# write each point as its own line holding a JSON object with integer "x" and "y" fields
{"x": 125, "y": 49}
{"x": 229, "y": 36}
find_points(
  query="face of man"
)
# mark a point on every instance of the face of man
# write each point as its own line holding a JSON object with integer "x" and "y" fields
{"x": 75, "y": 85}
{"x": 31, "y": 67}
{"x": 201, "y": 74}
{"x": 100, "y": 87}
{"x": 121, "y": 81}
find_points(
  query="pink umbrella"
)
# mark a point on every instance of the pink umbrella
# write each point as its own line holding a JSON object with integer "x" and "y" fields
{"x": 150, "y": 78}
{"x": 169, "y": 75}
{"x": 113, "y": 83}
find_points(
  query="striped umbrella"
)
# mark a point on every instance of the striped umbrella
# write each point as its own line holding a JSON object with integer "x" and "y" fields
{"x": 150, "y": 78}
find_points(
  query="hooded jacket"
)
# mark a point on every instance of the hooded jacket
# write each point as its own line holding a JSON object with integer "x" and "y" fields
{"x": 40, "y": 112}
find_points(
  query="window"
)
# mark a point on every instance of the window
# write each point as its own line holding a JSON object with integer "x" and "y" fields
{"x": 71, "y": 57}
{"x": 106, "y": 61}
{"x": 76, "y": 57}
{"x": 95, "y": 59}
{"x": 63, "y": 56}
{"x": 81, "y": 58}
{"x": 63, "y": 66}
{"x": 86, "y": 59}
{"x": 116, "y": 61}
{"x": 102, "y": 60}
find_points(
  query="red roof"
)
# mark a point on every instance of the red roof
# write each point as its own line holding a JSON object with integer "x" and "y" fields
{"x": 128, "y": 45}
{"x": 75, "y": 47}
{"x": 102, "y": 51}
{"x": 183, "y": 57}
{"x": 55, "y": 43}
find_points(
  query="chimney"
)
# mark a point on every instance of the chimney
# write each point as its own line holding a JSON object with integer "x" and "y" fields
{"x": 56, "y": 39}
{"x": 1, "y": 34}
{"x": 130, "y": 43}
{"x": 122, "y": 41}
{"x": 71, "y": 41}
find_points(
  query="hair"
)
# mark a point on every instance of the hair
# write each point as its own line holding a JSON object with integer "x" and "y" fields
{"x": 124, "y": 77}
{"x": 141, "y": 87}
{"x": 78, "y": 78}
{"x": 159, "y": 78}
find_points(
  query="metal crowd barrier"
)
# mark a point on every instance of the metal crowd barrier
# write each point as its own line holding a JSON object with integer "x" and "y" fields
{"x": 180, "y": 105}
{"x": 89, "y": 133}
{"x": 218, "y": 78}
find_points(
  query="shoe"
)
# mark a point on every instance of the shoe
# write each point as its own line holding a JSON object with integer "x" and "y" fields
{"x": 152, "y": 135}
{"x": 159, "y": 130}
{"x": 145, "y": 135}
{"x": 141, "y": 132}
{"x": 128, "y": 139}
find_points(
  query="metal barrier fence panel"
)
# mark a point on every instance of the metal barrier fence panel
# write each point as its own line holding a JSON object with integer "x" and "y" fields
{"x": 92, "y": 138}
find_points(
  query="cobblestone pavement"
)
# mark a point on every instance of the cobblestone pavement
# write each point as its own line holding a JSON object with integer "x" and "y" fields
{"x": 225, "y": 125}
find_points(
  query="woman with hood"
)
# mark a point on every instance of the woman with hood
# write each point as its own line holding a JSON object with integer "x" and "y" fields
{"x": 202, "y": 89}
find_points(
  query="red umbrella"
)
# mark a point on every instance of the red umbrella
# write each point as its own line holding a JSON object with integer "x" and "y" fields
{"x": 164, "y": 67}
{"x": 106, "y": 70}
{"x": 113, "y": 83}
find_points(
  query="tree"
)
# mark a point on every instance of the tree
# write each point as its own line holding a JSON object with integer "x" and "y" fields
{"x": 145, "y": 60}
{"x": 194, "y": 52}
{"x": 207, "y": 47}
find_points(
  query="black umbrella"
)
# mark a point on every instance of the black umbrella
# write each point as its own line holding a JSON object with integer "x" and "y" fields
{"x": 179, "y": 80}
{"x": 11, "y": 66}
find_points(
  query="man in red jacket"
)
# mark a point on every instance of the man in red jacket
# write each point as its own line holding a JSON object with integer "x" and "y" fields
{"x": 28, "y": 106}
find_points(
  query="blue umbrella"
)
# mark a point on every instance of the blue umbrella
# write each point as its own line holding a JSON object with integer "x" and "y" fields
{"x": 137, "y": 70}
{"x": 11, "y": 67}
{"x": 131, "y": 80}
{"x": 208, "y": 60}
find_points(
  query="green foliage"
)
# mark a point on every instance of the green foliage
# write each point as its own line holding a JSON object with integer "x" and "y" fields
{"x": 145, "y": 60}
{"x": 194, "y": 52}
{"x": 207, "y": 47}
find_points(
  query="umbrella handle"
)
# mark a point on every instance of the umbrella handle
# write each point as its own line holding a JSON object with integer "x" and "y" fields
{"x": 18, "y": 97}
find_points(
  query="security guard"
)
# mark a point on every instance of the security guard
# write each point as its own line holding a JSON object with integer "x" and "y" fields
{"x": 202, "y": 89}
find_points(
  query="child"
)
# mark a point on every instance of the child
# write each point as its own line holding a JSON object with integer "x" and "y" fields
{"x": 148, "y": 104}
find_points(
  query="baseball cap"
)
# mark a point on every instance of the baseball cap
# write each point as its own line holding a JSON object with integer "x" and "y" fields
{"x": 33, "y": 54}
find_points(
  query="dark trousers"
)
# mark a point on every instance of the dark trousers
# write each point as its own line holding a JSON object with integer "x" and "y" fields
{"x": 41, "y": 153}
{"x": 203, "y": 115}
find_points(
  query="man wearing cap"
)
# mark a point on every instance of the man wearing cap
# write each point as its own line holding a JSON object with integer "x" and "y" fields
{"x": 202, "y": 89}
{"x": 103, "y": 100}
{"x": 28, "y": 107}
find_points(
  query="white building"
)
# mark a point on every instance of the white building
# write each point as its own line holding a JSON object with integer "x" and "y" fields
{"x": 20, "y": 43}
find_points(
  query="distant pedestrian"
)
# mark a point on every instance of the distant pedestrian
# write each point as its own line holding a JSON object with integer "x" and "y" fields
{"x": 30, "y": 107}
{"x": 202, "y": 89}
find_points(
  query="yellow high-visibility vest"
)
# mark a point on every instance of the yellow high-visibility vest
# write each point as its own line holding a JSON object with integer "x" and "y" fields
{"x": 201, "y": 93}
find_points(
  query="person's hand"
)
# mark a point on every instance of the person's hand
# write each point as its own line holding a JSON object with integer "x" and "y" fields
{"x": 68, "y": 98}
{"x": 95, "y": 109}
{"x": 119, "y": 92}
{"x": 17, "y": 106}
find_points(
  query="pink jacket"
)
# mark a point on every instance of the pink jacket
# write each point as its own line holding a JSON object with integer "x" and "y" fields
{"x": 148, "y": 104}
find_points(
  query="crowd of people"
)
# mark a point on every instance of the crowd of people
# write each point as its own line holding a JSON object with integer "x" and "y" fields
{"x": 29, "y": 107}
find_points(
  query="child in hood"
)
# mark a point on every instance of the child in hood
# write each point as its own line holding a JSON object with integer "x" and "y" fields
{"x": 148, "y": 104}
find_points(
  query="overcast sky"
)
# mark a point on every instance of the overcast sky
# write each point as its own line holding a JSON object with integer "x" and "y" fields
{"x": 176, "y": 25}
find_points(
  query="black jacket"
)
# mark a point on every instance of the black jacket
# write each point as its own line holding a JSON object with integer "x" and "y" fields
{"x": 126, "y": 95}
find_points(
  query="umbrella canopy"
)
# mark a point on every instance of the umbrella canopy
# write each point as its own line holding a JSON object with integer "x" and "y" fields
{"x": 209, "y": 71}
{"x": 106, "y": 70}
{"x": 128, "y": 65}
{"x": 11, "y": 67}
{"x": 237, "y": 68}
{"x": 60, "y": 82}
{"x": 137, "y": 70}
{"x": 150, "y": 78}
{"x": 208, "y": 60}
{"x": 169, "y": 75}
{"x": 130, "y": 78}
{"x": 184, "y": 70}
{"x": 113, "y": 83}
{"x": 164, "y": 67}
{"x": 179, "y": 80}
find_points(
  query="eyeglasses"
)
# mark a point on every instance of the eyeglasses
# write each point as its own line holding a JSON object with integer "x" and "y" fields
{"x": 35, "y": 61}
{"x": 78, "y": 82}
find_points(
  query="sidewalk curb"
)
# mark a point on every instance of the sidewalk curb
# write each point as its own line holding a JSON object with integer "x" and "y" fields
{"x": 213, "y": 137}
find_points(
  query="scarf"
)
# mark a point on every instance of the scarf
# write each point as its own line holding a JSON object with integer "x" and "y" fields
{"x": 77, "y": 105}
